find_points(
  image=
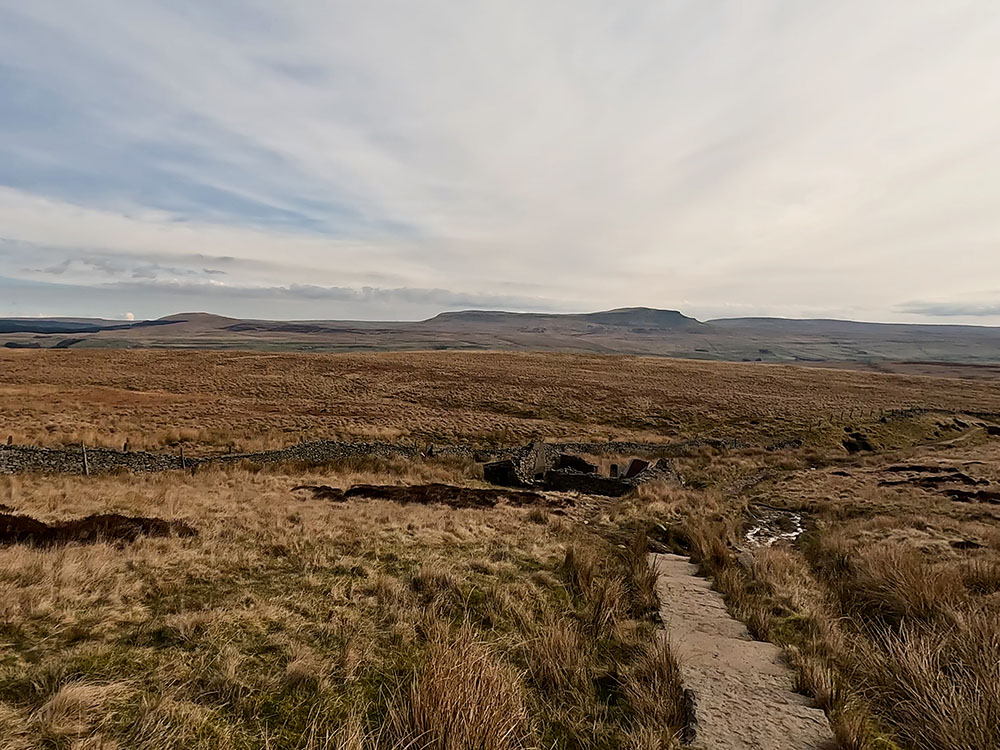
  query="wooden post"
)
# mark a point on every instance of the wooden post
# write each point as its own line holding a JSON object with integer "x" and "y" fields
{"x": 86, "y": 463}
{"x": 183, "y": 462}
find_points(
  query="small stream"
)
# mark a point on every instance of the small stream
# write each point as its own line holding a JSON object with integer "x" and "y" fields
{"x": 769, "y": 525}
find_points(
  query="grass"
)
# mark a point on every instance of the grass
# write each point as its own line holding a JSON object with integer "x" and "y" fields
{"x": 887, "y": 607}
{"x": 463, "y": 696}
{"x": 211, "y": 400}
{"x": 291, "y": 622}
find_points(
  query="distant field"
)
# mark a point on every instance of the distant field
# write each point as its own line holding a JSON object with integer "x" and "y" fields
{"x": 210, "y": 400}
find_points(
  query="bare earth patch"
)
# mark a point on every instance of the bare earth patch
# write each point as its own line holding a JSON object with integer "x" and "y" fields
{"x": 435, "y": 494}
{"x": 106, "y": 527}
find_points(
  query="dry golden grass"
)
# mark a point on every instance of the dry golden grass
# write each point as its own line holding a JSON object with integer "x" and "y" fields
{"x": 463, "y": 696}
{"x": 298, "y": 623}
{"x": 888, "y": 607}
{"x": 213, "y": 399}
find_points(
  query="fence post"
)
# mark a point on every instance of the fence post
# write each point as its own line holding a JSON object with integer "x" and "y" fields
{"x": 183, "y": 462}
{"x": 86, "y": 463}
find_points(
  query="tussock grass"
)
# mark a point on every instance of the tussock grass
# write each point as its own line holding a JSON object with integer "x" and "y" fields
{"x": 74, "y": 707}
{"x": 290, "y": 623}
{"x": 937, "y": 689}
{"x": 887, "y": 585}
{"x": 605, "y": 673}
{"x": 981, "y": 576}
{"x": 557, "y": 659}
{"x": 462, "y": 697}
{"x": 891, "y": 628}
{"x": 654, "y": 690}
{"x": 640, "y": 577}
{"x": 295, "y": 623}
{"x": 579, "y": 568}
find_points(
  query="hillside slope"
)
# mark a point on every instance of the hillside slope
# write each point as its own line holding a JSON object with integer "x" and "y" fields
{"x": 638, "y": 330}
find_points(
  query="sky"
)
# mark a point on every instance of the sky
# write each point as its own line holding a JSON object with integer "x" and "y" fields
{"x": 320, "y": 159}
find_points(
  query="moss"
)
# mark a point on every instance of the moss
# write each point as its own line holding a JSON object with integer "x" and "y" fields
{"x": 789, "y": 629}
{"x": 32, "y": 684}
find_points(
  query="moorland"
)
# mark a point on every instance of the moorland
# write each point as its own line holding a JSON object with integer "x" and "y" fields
{"x": 289, "y": 620}
{"x": 635, "y": 330}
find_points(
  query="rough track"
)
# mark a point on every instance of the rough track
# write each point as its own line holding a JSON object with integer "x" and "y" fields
{"x": 742, "y": 687}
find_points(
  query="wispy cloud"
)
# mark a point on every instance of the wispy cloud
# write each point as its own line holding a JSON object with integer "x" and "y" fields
{"x": 771, "y": 156}
{"x": 953, "y": 309}
{"x": 435, "y": 299}
{"x": 164, "y": 296}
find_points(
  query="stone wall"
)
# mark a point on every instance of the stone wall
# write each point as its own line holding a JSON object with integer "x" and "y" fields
{"x": 20, "y": 459}
{"x": 16, "y": 459}
{"x": 548, "y": 467}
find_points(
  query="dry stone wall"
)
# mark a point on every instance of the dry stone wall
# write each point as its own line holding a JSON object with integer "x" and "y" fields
{"x": 17, "y": 459}
{"x": 20, "y": 459}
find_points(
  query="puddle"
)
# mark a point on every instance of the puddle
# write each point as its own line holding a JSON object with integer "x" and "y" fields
{"x": 770, "y": 525}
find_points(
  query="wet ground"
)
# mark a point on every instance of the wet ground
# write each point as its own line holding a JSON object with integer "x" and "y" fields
{"x": 770, "y": 525}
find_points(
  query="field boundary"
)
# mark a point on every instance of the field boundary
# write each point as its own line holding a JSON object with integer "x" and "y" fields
{"x": 20, "y": 459}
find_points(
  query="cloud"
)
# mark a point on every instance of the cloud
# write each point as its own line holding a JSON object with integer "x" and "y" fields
{"x": 403, "y": 296}
{"x": 953, "y": 309}
{"x": 773, "y": 156}
{"x": 115, "y": 266}
{"x": 58, "y": 269}
{"x": 296, "y": 301}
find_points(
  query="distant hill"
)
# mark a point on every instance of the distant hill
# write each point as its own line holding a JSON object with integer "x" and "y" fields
{"x": 631, "y": 330}
{"x": 624, "y": 317}
{"x": 58, "y": 325}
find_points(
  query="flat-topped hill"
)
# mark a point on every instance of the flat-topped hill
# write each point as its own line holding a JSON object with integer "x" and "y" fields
{"x": 626, "y": 330}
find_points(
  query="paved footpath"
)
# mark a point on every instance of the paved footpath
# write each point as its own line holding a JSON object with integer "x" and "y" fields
{"x": 742, "y": 687}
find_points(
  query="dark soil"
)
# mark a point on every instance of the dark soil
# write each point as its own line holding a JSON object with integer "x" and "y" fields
{"x": 436, "y": 494}
{"x": 107, "y": 527}
{"x": 966, "y": 544}
{"x": 971, "y": 496}
{"x": 919, "y": 468}
{"x": 856, "y": 442}
{"x": 323, "y": 492}
{"x": 934, "y": 481}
